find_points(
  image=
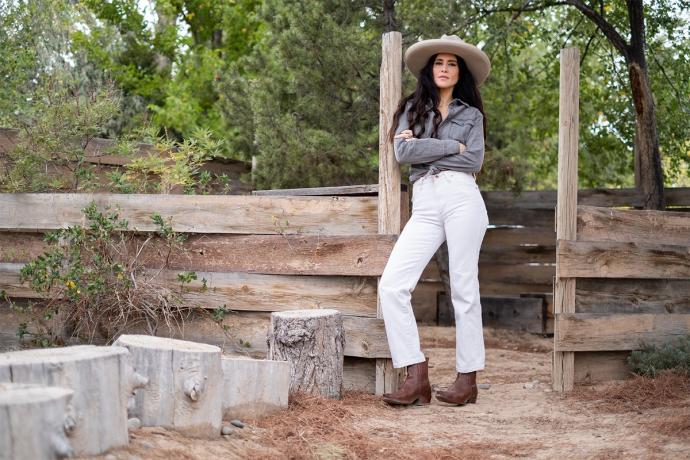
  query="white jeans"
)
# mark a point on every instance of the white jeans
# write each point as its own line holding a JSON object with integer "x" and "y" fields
{"x": 446, "y": 205}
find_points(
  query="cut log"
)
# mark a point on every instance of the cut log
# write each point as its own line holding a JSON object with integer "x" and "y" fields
{"x": 254, "y": 387}
{"x": 313, "y": 341}
{"x": 184, "y": 392}
{"x": 35, "y": 421}
{"x": 102, "y": 381}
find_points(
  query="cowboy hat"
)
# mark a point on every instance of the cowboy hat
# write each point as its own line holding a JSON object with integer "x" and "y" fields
{"x": 477, "y": 61}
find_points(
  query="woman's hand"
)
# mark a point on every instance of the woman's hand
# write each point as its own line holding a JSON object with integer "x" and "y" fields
{"x": 406, "y": 134}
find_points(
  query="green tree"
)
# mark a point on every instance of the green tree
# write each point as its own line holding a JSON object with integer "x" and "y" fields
{"x": 305, "y": 102}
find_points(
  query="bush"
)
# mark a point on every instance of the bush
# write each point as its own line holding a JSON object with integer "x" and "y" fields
{"x": 650, "y": 360}
{"x": 94, "y": 282}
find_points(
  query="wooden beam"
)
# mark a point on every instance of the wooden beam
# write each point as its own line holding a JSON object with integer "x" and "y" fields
{"x": 632, "y": 226}
{"x": 197, "y": 213}
{"x": 546, "y": 199}
{"x": 603, "y": 295}
{"x": 389, "y": 204}
{"x": 592, "y": 259}
{"x": 566, "y": 210}
{"x": 357, "y": 255}
{"x": 611, "y": 332}
{"x": 248, "y": 291}
{"x": 601, "y": 366}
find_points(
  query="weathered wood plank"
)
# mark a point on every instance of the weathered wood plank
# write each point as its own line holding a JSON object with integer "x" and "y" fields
{"x": 562, "y": 376}
{"x": 516, "y": 313}
{"x": 632, "y": 226}
{"x": 198, "y": 213}
{"x": 246, "y": 333}
{"x": 518, "y": 255}
{"x": 590, "y": 259}
{"x": 357, "y": 255}
{"x": 610, "y": 332}
{"x": 601, "y": 366}
{"x": 250, "y": 292}
{"x": 357, "y": 190}
{"x": 533, "y": 218}
{"x": 389, "y": 196}
{"x": 546, "y": 199}
{"x": 602, "y": 295}
{"x": 526, "y": 236}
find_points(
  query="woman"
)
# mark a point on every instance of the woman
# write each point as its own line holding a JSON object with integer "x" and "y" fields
{"x": 439, "y": 130}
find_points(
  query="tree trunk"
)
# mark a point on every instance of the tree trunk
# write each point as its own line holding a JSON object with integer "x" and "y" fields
{"x": 313, "y": 342}
{"x": 389, "y": 23}
{"x": 649, "y": 177}
{"x": 185, "y": 380}
{"x": 101, "y": 380}
{"x": 34, "y": 422}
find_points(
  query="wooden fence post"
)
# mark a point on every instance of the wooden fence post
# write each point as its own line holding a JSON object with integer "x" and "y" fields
{"x": 563, "y": 371}
{"x": 389, "y": 172}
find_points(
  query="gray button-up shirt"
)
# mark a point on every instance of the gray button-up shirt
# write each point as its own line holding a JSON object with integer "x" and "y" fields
{"x": 463, "y": 124}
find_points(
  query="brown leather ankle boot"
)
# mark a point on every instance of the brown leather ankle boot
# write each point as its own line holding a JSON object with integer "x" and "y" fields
{"x": 462, "y": 391}
{"x": 415, "y": 390}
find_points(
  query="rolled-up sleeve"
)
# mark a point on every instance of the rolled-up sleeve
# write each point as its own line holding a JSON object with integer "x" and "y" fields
{"x": 421, "y": 150}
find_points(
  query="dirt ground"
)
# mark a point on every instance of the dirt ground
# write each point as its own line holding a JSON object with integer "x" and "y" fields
{"x": 518, "y": 416}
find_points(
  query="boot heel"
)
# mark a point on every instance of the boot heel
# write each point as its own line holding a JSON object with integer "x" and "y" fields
{"x": 472, "y": 400}
{"x": 423, "y": 400}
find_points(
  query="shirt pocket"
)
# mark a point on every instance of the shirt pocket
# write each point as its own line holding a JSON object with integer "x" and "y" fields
{"x": 460, "y": 129}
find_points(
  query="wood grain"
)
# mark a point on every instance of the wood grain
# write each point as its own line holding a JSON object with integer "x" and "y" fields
{"x": 198, "y": 213}
{"x": 566, "y": 209}
{"x": 633, "y": 226}
{"x": 622, "y": 260}
{"x": 604, "y": 295}
{"x": 601, "y": 366}
{"x": 247, "y": 291}
{"x": 389, "y": 197}
{"x": 611, "y": 332}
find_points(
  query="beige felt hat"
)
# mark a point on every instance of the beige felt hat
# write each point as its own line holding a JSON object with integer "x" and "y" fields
{"x": 477, "y": 61}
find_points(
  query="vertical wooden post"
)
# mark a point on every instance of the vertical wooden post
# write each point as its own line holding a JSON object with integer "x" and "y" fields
{"x": 389, "y": 172}
{"x": 563, "y": 372}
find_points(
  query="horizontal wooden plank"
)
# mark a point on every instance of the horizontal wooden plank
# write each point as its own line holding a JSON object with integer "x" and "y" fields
{"x": 198, "y": 213}
{"x": 246, "y": 332}
{"x": 359, "y": 374}
{"x": 591, "y": 259}
{"x": 606, "y": 295}
{"x": 632, "y": 226}
{"x": 601, "y": 366}
{"x": 249, "y": 291}
{"x": 507, "y": 237}
{"x": 546, "y": 199}
{"x": 533, "y": 218}
{"x": 518, "y": 255}
{"x": 356, "y": 255}
{"x": 610, "y": 332}
{"x": 365, "y": 190}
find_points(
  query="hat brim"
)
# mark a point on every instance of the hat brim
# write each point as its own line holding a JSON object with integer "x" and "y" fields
{"x": 477, "y": 61}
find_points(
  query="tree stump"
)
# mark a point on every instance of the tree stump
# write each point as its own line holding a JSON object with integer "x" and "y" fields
{"x": 101, "y": 378}
{"x": 184, "y": 392}
{"x": 313, "y": 342}
{"x": 34, "y": 421}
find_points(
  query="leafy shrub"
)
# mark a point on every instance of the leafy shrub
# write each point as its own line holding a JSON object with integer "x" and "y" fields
{"x": 650, "y": 360}
{"x": 94, "y": 283}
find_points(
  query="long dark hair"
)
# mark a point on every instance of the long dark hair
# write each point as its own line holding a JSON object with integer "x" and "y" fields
{"x": 427, "y": 92}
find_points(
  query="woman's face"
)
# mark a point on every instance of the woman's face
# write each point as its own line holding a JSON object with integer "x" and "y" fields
{"x": 446, "y": 70}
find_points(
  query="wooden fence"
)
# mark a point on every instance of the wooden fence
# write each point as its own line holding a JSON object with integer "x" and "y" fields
{"x": 258, "y": 254}
{"x": 622, "y": 276}
{"x": 517, "y": 262}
